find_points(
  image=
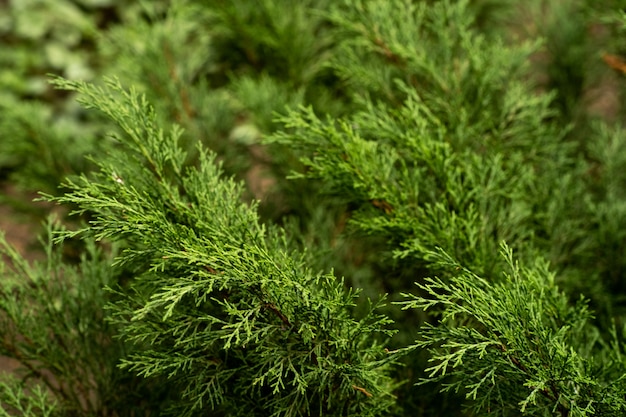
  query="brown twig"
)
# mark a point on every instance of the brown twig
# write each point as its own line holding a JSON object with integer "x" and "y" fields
{"x": 363, "y": 390}
{"x": 383, "y": 205}
{"x": 388, "y": 53}
{"x": 615, "y": 62}
{"x": 278, "y": 313}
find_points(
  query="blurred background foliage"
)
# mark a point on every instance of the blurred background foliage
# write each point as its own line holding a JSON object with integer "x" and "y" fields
{"x": 224, "y": 70}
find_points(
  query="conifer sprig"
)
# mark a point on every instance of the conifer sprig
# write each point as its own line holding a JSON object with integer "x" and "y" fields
{"x": 217, "y": 301}
{"x": 14, "y": 400}
{"x": 513, "y": 346}
{"x": 447, "y": 142}
{"x": 54, "y": 325}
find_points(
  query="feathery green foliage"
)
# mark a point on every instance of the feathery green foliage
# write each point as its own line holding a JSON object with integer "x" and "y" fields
{"x": 55, "y": 324}
{"x": 220, "y": 304}
{"x": 424, "y": 174}
{"x": 261, "y": 177}
{"x": 14, "y": 401}
{"x": 494, "y": 338}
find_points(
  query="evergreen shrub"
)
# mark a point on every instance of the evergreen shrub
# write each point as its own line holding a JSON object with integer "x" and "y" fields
{"x": 316, "y": 208}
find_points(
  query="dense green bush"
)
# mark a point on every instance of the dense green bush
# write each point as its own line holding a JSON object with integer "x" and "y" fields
{"x": 281, "y": 208}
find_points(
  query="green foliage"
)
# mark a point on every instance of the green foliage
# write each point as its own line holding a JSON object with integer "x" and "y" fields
{"x": 521, "y": 332}
{"x": 55, "y": 324}
{"x": 45, "y": 136}
{"x": 426, "y": 175}
{"x": 260, "y": 174}
{"x": 220, "y": 297}
{"x": 14, "y": 401}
